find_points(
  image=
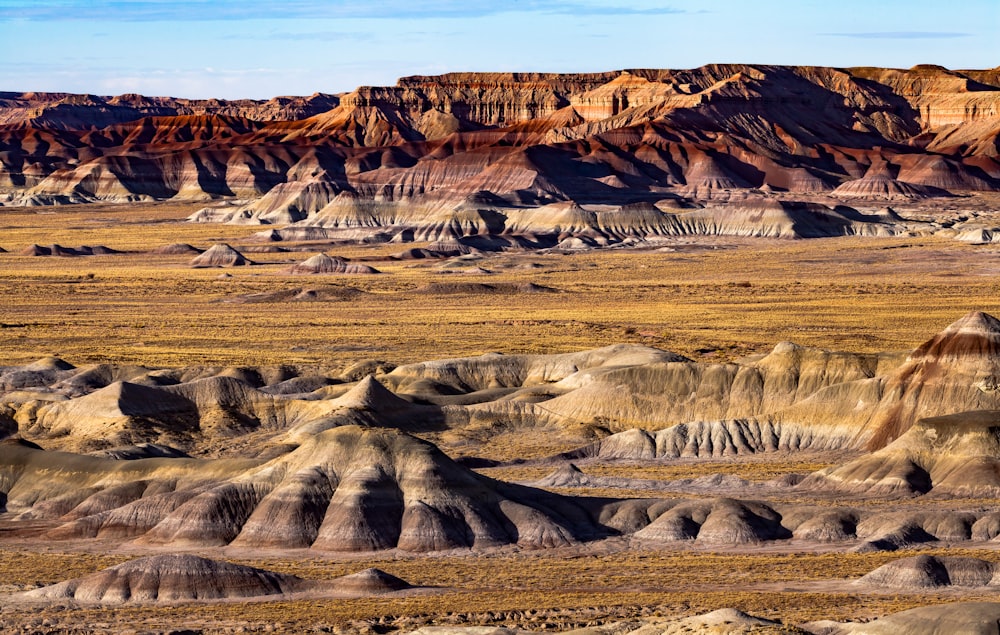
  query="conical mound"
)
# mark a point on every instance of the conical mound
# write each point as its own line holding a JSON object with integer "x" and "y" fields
{"x": 568, "y": 475}
{"x": 938, "y": 172}
{"x": 322, "y": 263}
{"x": 220, "y": 255}
{"x": 881, "y": 187}
{"x": 975, "y": 335}
{"x": 370, "y": 581}
{"x": 370, "y": 394}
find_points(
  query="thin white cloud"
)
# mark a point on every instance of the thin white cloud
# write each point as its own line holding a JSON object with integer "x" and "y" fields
{"x": 205, "y": 10}
{"x": 902, "y": 35}
{"x": 318, "y": 36}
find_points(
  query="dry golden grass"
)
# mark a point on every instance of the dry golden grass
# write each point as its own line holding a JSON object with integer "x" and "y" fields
{"x": 719, "y": 303}
{"x": 759, "y": 470}
{"x": 853, "y": 294}
{"x": 26, "y": 570}
{"x": 529, "y": 589}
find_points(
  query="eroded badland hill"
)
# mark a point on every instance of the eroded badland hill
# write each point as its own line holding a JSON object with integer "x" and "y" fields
{"x": 695, "y": 351}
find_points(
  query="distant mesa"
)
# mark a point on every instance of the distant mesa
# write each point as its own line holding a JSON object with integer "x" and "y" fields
{"x": 220, "y": 255}
{"x": 322, "y": 263}
{"x": 168, "y": 579}
{"x": 568, "y": 161}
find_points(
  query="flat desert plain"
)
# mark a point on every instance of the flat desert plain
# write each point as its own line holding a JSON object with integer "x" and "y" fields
{"x": 512, "y": 324}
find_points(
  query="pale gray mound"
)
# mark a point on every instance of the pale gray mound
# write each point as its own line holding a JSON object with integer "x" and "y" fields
{"x": 91, "y": 378}
{"x": 326, "y": 293}
{"x": 892, "y": 535}
{"x": 220, "y": 255}
{"x": 832, "y": 525}
{"x": 722, "y": 622}
{"x": 49, "y": 364}
{"x": 170, "y": 578}
{"x": 960, "y": 618}
{"x": 176, "y": 249}
{"x": 568, "y": 475}
{"x": 930, "y": 572}
{"x": 370, "y": 581}
{"x": 41, "y": 373}
{"x": 722, "y": 521}
{"x": 322, "y": 263}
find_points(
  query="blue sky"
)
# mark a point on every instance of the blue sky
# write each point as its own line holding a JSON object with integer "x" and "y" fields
{"x": 250, "y": 48}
